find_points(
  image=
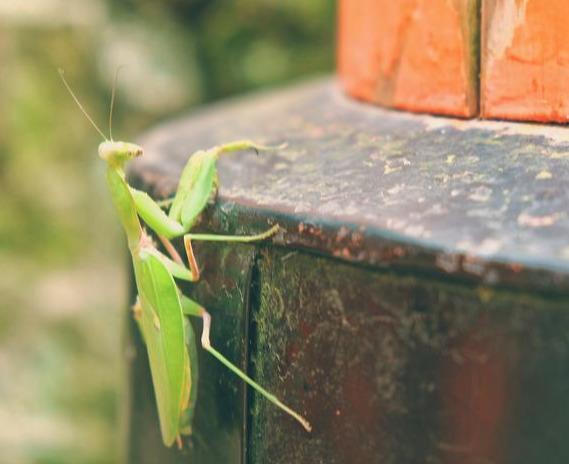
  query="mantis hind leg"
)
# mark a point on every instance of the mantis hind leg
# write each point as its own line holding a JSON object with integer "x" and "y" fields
{"x": 220, "y": 238}
{"x": 191, "y": 308}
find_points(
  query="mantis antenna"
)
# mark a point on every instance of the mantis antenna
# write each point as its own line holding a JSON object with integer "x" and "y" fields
{"x": 113, "y": 92}
{"x": 61, "y": 74}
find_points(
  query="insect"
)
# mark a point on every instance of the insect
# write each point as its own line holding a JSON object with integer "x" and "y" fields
{"x": 161, "y": 308}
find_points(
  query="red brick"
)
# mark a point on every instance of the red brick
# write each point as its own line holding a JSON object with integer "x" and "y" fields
{"x": 525, "y": 60}
{"x": 417, "y": 55}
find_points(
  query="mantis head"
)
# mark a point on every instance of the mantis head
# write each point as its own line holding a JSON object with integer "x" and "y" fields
{"x": 109, "y": 150}
{"x": 118, "y": 152}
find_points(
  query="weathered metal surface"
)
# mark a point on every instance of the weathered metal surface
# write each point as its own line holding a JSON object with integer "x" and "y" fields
{"x": 394, "y": 369}
{"x": 415, "y": 306}
{"x": 477, "y": 200}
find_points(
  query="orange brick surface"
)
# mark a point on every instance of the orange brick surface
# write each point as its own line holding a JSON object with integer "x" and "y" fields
{"x": 417, "y": 55}
{"x": 525, "y": 60}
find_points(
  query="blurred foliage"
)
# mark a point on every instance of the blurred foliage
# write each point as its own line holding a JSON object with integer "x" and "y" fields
{"x": 63, "y": 281}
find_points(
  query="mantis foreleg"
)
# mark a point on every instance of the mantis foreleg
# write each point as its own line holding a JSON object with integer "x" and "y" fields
{"x": 196, "y": 186}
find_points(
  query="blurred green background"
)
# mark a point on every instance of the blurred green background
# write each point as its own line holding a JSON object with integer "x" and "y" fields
{"x": 62, "y": 257}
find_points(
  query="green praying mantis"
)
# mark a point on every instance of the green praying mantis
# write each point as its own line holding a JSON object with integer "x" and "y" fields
{"x": 161, "y": 308}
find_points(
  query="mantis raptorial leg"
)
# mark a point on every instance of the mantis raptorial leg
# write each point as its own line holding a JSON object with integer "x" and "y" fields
{"x": 161, "y": 308}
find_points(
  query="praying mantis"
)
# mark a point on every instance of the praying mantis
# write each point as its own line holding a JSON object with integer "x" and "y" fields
{"x": 161, "y": 309}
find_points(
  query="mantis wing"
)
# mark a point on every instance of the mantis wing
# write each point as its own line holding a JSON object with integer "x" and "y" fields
{"x": 191, "y": 382}
{"x": 162, "y": 326}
